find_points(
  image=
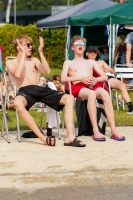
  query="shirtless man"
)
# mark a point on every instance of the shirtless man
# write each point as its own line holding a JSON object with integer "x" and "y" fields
{"x": 91, "y": 53}
{"x": 79, "y": 71}
{"x": 23, "y": 71}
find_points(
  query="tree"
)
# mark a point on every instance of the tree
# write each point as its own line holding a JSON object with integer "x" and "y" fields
{"x": 118, "y": 1}
{"x": 37, "y": 4}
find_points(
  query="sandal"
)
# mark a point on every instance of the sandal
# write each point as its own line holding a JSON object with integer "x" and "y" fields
{"x": 49, "y": 140}
{"x": 120, "y": 102}
{"x": 75, "y": 143}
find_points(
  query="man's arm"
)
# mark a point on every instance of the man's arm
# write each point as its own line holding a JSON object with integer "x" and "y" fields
{"x": 106, "y": 67}
{"x": 103, "y": 76}
{"x": 116, "y": 52}
{"x": 128, "y": 55}
{"x": 42, "y": 66}
{"x": 98, "y": 52}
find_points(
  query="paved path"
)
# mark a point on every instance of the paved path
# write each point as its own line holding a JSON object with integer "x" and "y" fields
{"x": 101, "y": 171}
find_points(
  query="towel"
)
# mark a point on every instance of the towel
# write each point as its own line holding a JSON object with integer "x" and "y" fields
{"x": 52, "y": 115}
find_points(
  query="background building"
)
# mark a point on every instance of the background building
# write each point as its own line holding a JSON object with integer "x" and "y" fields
{"x": 25, "y": 17}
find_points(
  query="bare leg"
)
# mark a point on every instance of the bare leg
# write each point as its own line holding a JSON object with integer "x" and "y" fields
{"x": 104, "y": 96}
{"x": 20, "y": 104}
{"x": 116, "y": 84}
{"x": 90, "y": 96}
{"x": 68, "y": 101}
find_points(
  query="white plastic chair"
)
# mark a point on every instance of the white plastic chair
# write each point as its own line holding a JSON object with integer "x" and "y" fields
{"x": 113, "y": 92}
{"x": 124, "y": 72}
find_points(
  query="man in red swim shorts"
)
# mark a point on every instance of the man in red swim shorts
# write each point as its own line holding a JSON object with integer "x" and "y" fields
{"x": 79, "y": 72}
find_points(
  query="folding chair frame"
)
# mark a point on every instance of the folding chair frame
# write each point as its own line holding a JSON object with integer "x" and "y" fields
{"x": 7, "y": 100}
{"x": 4, "y": 120}
{"x": 124, "y": 72}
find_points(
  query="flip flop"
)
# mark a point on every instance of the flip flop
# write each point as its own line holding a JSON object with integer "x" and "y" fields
{"x": 98, "y": 139}
{"x": 115, "y": 137}
{"x": 49, "y": 140}
{"x": 75, "y": 143}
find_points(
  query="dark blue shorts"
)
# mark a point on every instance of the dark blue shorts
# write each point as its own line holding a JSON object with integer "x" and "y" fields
{"x": 35, "y": 93}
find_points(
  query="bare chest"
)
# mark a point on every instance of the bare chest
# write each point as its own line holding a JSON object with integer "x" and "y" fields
{"x": 80, "y": 68}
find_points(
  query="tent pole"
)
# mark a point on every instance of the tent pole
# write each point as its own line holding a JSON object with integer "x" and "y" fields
{"x": 113, "y": 47}
{"x": 110, "y": 43}
{"x": 67, "y": 42}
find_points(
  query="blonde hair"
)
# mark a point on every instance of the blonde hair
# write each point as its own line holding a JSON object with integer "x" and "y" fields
{"x": 21, "y": 39}
{"x": 77, "y": 37}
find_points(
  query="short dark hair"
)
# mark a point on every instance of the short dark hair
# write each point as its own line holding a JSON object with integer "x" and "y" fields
{"x": 56, "y": 78}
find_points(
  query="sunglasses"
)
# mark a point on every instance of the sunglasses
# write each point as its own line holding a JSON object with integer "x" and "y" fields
{"x": 80, "y": 43}
{"x": 28, "y": 44}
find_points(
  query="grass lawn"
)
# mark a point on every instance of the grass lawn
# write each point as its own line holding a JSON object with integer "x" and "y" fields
{"x": 121, "y": 116}
{"x": 121, "y": 119}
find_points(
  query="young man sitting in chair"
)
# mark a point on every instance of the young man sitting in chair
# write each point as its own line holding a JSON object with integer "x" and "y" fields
{"x": 79, "y": 71}
{"x": 23, "y": 71}
{"x": 91, "y": 53}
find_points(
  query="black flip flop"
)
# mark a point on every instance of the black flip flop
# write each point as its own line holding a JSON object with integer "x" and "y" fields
{"x": 75, "y": 143}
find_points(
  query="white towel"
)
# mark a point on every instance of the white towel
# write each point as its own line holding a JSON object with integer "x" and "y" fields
{"x": 52, "y": 115}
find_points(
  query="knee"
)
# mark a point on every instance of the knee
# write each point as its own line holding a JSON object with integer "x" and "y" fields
{"x": 123, "y": 86}
{"x": 18, "y": 105}
{"x": 105, "y": 96}
{"x": 91, "y": 95}
{"x": 69, "y": 99}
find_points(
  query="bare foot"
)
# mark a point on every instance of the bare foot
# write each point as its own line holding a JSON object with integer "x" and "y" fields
{"x": 97, "y": 134}
{"x": 115, "y": 132}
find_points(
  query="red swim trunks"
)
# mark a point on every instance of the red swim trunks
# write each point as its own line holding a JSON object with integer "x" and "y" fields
{"x": 78, "y": 86}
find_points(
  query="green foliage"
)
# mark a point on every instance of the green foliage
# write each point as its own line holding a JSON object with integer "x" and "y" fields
{"x": 54, "y": 49}
{"x": 37, "y": 4}
{"x": 118, "y": 1}
{"x": 121, "y": 119}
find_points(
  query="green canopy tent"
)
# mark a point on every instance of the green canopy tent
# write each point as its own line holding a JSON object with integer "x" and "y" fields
{"x": 118, "y": 14}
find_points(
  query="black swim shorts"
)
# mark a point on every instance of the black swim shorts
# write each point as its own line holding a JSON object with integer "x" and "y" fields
{"x": 35, "y": 93}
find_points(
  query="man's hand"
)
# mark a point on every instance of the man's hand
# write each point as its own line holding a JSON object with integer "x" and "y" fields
{"x": 93, "y": 81}
{"x": 40, "y": 48}
{"x": 86, "y": 80}
{"x": 20, "y": 46}
{"x": 129, "y": 65}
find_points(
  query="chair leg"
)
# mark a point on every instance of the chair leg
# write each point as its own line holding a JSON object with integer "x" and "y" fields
{"x": 58, "y": 125}
{"x": 18, "y": 127}
{"x": 116, "y": 96}
{"x": 4, "y": 123}
{"x": 41, "y": 120}
{"x": 123, "y": 104}
{"x": 63, "y": 123}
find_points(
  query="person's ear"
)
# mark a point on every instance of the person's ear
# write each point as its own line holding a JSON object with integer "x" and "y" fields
{"x": 87, "y": 54}
{"x": 72, "y": 48}
{"x": 18, "y": 48}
